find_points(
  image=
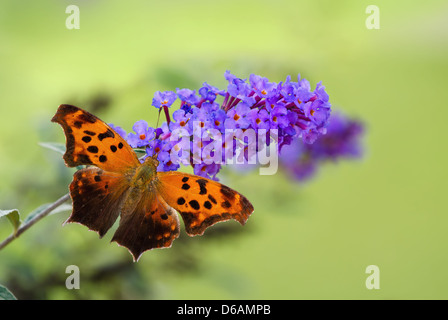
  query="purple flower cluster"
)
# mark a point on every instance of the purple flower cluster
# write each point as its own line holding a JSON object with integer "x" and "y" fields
{"x": 342, "y": 140}
{"x": 291, "y": 107}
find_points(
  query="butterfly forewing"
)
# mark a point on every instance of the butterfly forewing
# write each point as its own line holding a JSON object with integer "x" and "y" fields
{"x": 90, "y": 141}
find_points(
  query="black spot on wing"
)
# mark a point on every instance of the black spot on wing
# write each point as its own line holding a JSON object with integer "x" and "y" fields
{"x": 226, "y": 204}
{"x": 202, "y": 183}
{"x": 103, "y": 158}
{"x": 227, "y": 192}
{"x": 77, "y": 124}
{"x": 86, "y": 139}
{"x": 92, "y": 149}
{"x": 90, "y": 133}
{"x": 207, "y": 205}
{"x": 107, "y": 134}
{"x": 84, "y": 159}
{"x": 180, "y": 201}
{"x": 185, "y": 186}
{"x": 212, "y": 199}
{"x": 194, "y": 204}
{"x": 87, "y": 117}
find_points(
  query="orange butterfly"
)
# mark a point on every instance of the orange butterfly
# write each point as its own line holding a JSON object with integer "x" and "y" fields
{"x": 118, "y": 183}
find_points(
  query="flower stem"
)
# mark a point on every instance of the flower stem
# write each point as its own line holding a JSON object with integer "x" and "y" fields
{"x": 224, "y": 103}
{"x": 167, "y": 114}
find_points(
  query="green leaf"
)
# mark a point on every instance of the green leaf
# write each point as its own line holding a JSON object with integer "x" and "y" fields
{"x": 36, "y": 212}
{"x": 5, "y": 294}
{"x": 61, "y": 208}
{"x": 55, "y": 146}
{"x": 140, "y": 151}
{"x": 13, "y": 217}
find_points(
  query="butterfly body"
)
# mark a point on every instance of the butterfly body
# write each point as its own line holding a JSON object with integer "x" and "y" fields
{"x": 117, "y": 184}
{"x": 145, "y": 174}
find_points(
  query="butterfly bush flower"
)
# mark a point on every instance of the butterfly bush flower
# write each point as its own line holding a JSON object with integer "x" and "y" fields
{"x": 299, "y": 114}
{"x": 259, "y": 119}
{"x": 118, "y": 130}
{"x": 188, "y": 96}
{"x": 262, "y": 87}
{"x": 141, "y": 136}
{"x": 163, "y": 99}
{"x": 342, "y": 140}
{"x": 236, "y": 117}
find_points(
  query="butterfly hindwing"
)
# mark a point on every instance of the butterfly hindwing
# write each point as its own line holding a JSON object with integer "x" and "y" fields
{"x": 90, "y": 141}
{"x": 97, "y": 198}
{"x": 202, "y": 202}
{"x": 146, "y": 222}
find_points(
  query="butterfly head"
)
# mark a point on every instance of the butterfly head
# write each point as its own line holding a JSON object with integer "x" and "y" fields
{"x": 152, "y": 161}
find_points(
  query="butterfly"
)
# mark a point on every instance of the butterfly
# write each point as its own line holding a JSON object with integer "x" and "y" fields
{"x": 115, "y": 183}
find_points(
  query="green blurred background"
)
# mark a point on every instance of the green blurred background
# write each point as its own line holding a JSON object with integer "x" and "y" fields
{"x": 305, "y": 240}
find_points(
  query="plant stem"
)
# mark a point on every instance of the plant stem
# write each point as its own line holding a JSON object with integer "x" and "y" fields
{"x": 35, "y": 219}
